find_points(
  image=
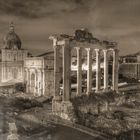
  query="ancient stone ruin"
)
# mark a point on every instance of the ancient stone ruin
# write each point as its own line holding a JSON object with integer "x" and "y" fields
{"x": 82, "y": 40}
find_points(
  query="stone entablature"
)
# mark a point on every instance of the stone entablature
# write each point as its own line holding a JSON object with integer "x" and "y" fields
{"x": 34, "y": 62}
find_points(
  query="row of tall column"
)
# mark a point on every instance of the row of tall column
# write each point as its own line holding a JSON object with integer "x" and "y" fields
{"x": 98, "y": 70}
{"x": 66, "y": 55}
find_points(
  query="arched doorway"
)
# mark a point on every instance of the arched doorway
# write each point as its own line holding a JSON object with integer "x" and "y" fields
{"x": 32, "y": 85}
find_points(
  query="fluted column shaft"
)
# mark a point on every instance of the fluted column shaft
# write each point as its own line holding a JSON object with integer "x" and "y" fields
{"x": 66, "y": 71}
{"x": 115, "y": 70}
{"x": 105, "y": 69}
{"x": 27, "y": 80}
{"x": 56, "y": 71}
{"x": 79, "y": 71}
{"x": 43, "y": 82}
{"x": 39, "y": 81}
{"x": 89, "y": 70}
{"x": 35, "y": 88}
{"x": 98, "y": 70}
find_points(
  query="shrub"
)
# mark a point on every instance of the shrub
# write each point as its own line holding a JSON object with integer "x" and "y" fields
{"x": 21, "y": 103}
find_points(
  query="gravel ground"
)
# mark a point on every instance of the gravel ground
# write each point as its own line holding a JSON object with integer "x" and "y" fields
{"x": 32, "y": 131}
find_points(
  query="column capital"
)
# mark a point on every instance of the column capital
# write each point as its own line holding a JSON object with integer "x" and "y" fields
{"x": 64, "y": 42}
{"x": 115, "y": 50}
{"x": 78, "y": 48}
{"x": 97, "y": 50}
{"x": 105, "y": 50}
{"x": 88, "y": 49}
{"x": 54, "y": 39}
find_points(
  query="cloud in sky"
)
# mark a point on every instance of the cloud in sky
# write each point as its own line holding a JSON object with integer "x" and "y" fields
{"x": 35, "y": 20}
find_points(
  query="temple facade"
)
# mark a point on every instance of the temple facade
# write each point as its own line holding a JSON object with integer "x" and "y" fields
{"x": 12, "y": 58}
{"x": 83, "y": 40}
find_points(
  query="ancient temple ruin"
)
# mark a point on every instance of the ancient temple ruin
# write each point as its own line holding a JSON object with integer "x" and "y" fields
{"x": 82, "y": 40}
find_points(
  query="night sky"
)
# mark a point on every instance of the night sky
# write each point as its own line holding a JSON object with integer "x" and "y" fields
{"x": 36, "y": 20}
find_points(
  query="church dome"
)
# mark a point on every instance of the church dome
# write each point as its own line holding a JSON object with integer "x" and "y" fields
{"x": 12, "y": 40}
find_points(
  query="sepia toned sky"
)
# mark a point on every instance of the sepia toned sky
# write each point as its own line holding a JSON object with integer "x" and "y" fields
{"x": 36, "y": 20}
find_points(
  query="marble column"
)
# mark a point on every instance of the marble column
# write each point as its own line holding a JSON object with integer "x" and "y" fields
{"x": 39, "y": 82}
{"x": 115, "y": 70}
{"x": 105, "y": 69}
{"x": 89, "y": 70}
{"x": 26, "y": 80}
{"x": 35, "y": 88}
{"x": 56, "y": 71}
{"x": 66, "y": 71}
{"x": 98, "y": 70}
{"x": 79, "y": 71}
{"x": 2, "y": 73}
{"x": 30, "y": 81}
{"x": 43, "y": 81}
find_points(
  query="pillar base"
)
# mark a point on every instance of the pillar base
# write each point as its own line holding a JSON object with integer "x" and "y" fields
{"x": 64, "y": 109}
{"x": 88, "y": 93}
{"x": 115, "y": 90}
{"x": 67, "y": 110}
{"x": 98, "y": 91}
{"x": 106, "y": 90}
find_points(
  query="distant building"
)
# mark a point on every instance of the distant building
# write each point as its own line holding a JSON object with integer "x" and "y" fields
{"x": 12, "y": 58}
{"x": 19, "y": 66}
{"x": 129, "y": 59}
{"x": 39, "y": 74}
{"x": 130, "y": 66}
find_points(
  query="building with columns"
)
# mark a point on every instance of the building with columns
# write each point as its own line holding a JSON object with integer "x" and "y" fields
{"x": 39, "y": 74}
{"x": 12, "y": 58}
{"x": 16, "y": 66}
{"x": 83, "y": 40}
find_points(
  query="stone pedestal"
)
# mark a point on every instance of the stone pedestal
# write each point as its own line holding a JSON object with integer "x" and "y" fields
{"x": 63, "y": 109}
{"x": 67, "y": 111}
